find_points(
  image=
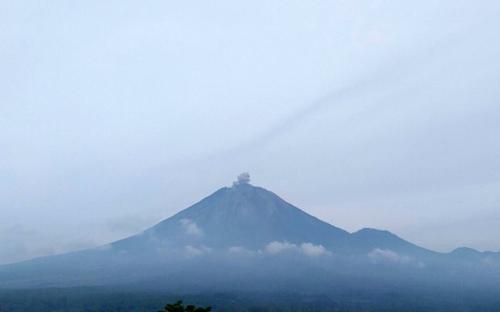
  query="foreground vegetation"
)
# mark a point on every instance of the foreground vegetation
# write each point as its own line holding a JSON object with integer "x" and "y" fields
{"x": 102, "y": 300}
{"x": 179, "y": 307}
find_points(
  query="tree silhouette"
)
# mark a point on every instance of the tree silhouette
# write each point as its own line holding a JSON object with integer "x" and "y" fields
{"x": 179, "y": 307}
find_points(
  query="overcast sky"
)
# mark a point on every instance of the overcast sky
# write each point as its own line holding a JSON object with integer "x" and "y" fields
{"x": 117, "y": 114}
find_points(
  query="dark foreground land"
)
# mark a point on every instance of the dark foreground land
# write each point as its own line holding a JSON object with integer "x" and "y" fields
{"x": 106, "y": 300}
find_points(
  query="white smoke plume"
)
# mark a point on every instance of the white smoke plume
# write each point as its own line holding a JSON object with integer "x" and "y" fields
{"x": 243, "y": 178}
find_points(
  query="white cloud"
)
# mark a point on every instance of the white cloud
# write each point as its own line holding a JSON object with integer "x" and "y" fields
{"x": 312, "y": 250}
{"x": 386, "y": 255}
{"x": 278, "y": 247}
{"x": 307, "y": 249}
{"x": 190, "y": 227}
{"x": 192, "y": 251}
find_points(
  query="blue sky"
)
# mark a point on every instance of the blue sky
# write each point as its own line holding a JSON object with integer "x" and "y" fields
{"x": 117, "y": 114}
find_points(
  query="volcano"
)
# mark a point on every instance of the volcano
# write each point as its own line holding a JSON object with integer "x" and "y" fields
{"x": 246, "y": 236}
{"x": 239, "y": 216}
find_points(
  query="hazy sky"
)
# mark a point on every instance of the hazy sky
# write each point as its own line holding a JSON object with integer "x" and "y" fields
{"x": 117, "y": 114}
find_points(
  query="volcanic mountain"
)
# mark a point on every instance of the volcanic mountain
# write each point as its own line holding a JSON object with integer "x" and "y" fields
{"x": 240, "y": 216}
{"x": 239, "y": 235}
